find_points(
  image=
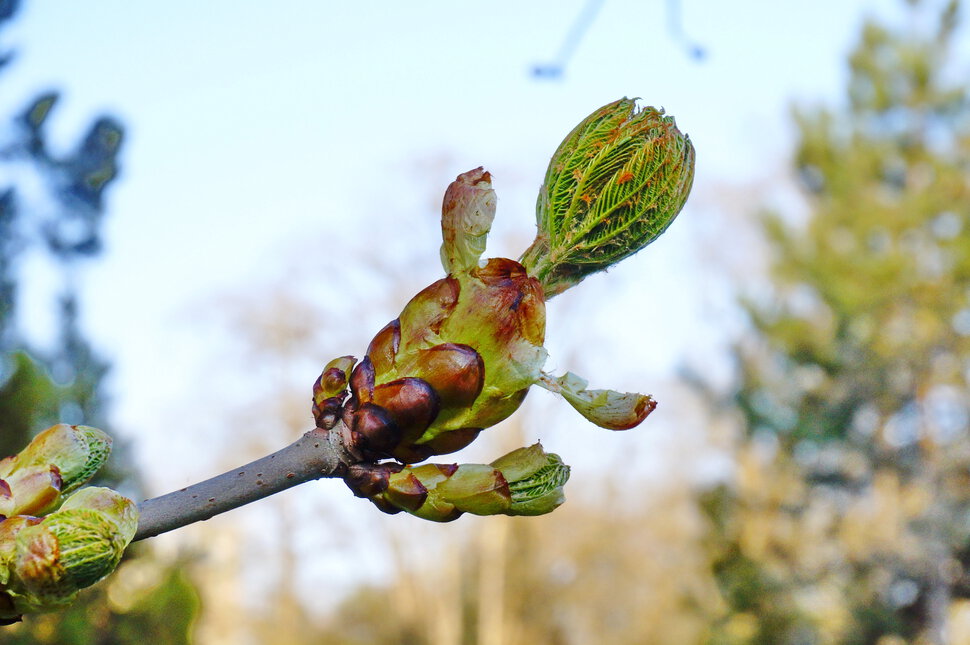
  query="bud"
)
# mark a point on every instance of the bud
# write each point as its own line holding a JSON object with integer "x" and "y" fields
{"x": 329, "y": 390}
{"x": 466, "y": 218}
{"x": 464, "y": 351}
{"x": 527, "y": 481}
{"x": 56, "y": 462}
{"x": 44, "y": 563}
{"x": 536, "y": 479}
{"x": 615, "y": 183}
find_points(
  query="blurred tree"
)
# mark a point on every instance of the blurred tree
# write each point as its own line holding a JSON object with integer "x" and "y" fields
{"x": 850, "y": 519}
{"x": 53, "y": 206}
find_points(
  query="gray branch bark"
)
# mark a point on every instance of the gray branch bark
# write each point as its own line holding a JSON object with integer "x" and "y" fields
{"x": 318, "y": 453}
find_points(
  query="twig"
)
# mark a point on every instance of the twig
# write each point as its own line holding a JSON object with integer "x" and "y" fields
{"x": 318, "y": 453}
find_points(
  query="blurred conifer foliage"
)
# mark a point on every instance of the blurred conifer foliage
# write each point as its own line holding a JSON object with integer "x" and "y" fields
{"x": 54, "y": 206}
{"x": 850, "y": 518}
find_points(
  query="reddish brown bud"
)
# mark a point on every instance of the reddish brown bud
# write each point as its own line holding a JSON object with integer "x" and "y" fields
{"x": 326, "y": 413}
{"x": 456, "y": 372}
{"x": 362, "y": 382}
{"x": 375, "y": 428}
{"x": 412, "y": 404}
{"x": 366, "y": 480}
{"x": 383, "y": 348}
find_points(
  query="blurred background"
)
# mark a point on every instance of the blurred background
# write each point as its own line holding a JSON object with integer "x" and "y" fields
{"x": 201, "y": 204}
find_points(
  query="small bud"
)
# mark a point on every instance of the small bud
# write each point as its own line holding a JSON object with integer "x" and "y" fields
{"x": 606, "y": 408}
{"x": 466, "y": 218}
{"x": 536, "y": 479}
{"x": 374, "y": 430}
{"x": 333, "y": 379}
{"x": 56, "y": 462}
{"x": 615, "y": 183}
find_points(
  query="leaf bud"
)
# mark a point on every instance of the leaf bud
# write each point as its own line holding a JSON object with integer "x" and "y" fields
{"x": 615, "y": 183}
{"x": 57, "y": 461}
{"x": 527, "y": 481}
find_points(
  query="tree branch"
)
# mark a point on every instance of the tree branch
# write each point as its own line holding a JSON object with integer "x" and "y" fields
{"x": 318, "y": 453}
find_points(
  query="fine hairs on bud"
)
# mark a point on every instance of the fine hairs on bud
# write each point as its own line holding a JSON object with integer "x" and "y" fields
{"x": 615, "y": 183}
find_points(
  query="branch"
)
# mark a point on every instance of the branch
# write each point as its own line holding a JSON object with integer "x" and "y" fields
{"x": 318, "y": 453}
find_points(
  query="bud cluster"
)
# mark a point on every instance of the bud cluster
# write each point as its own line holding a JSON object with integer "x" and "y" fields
{"x": 465, "y": 350}
{"x": 460, "y": 357}
{"x": 45, "y": 561}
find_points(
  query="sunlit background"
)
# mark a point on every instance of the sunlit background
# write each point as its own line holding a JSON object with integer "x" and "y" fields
{"x": 280, "y": 181}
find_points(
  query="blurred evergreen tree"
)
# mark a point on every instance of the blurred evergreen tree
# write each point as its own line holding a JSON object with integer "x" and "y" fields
{"x": 58, "y": 213}
{"x": 850, "y": 520}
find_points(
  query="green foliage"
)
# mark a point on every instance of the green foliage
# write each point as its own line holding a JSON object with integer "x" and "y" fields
{"x": 857, "y": 358}
{"x": 615, "y": 183}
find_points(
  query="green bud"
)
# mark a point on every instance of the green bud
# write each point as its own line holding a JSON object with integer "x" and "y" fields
{"x": 615, "y": 183}
{"x": 606, "y": 408}
{"x": 333, "y": 379}
{"x": 57, "y": 461}
{"x": 527, "y": 481}
{"x": 536, "y": 479}
{"x": 44, "y": 563}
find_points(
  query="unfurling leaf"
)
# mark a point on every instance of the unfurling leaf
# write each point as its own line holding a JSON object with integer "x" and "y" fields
{"x": 615, "y": 183}
{"x": 606, "y": 408}
{"x": 466, "y": 218}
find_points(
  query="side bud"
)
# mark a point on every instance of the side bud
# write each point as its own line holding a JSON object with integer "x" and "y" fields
{"x": 330, "y": 389}
{"x": 613, "y": 186}
{"x": 44, "y": 563}
{"x": 536, "y": 479}
{"x": 527, "y": 481}
{"x": 57, "y": 461}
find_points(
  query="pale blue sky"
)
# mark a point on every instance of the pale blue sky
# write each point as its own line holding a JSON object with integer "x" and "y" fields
{"x": 254, "y": 126}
